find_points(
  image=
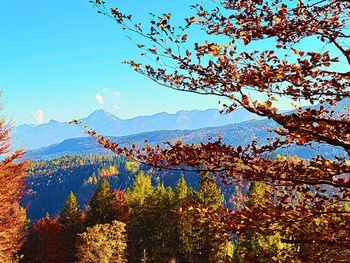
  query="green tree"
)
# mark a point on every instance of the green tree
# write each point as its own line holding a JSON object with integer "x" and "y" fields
{"x": 209, "y": 194}
{"x": 153, "y": 221}
{"x": 182, "y": 195}
{"x": 253, "y": 246}
{"x": 181, "y": 190}
{"x": 163, "y": 242}
{"x": 70, "y": 216}
{"x": 141, "y": 189}
{"x": 101, "y": 209}
{"x": 197, "y": 243}
{"x": 103, "y": 243}
{"x": 139, "y": 219}
{"x": 71, "y": 221}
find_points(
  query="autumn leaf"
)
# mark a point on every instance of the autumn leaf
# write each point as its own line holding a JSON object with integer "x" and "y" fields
{"x": 245, "y": 99}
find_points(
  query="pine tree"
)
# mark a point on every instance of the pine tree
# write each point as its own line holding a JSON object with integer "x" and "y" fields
{"x": 183, "y": 227}
{"x": 139, "y": 220}
{"x": 101, "y": 209}
{"x": 70, "y": 216}
{"x": 196, "y": 242}
{"x": 141, "y": 189}
{"x": 71, "y": 221}
{"x": 209, "y": 194}
{"x": 163, "y": 224}
{"x": 153, "y": 228}
{"x": 253, "y": 246}
{"x": 181, "y": 190}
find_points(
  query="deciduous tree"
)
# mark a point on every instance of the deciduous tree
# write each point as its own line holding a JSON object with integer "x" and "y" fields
{"x": 121, "y": 205}
{"x": 12, "y": 215}
{"x": 252, "y": 54}
{"x": 103, "y": 243}
{"x": 45, "y": 242}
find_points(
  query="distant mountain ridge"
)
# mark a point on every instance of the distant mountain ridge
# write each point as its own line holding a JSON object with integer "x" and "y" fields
{"x": 35, "y": 137}
{"x": 237, "y": 128}
{"x": 234, "y": 134}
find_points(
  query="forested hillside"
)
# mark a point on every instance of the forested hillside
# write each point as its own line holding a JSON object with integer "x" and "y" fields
{"x": 145, "y": 222}
{"x": 148, "y": 222}
{"x": 50, "y": 181}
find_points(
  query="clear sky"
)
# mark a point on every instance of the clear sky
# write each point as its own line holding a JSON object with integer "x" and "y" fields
{"x": 61, "y": 60}
{"x": 56, "y": 57}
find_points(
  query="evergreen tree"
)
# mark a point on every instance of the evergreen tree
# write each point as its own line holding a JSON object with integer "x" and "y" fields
{"x": 257, "y": 195}
{"x": 71, "y": 221}
{"x": 196, "y": 242}
{"x": 253, "y": 246}
{"x": 153, "y": 228}
{"x": 139, "y": 220}
{"x": 70, "y": 216}
{"x": 209, "y": 194}
{"x": 141, "y": 189}
{"x": 183, "y": 226}
{"x": 181, "y": 190}
{"x": 101, "y": 209}
{"x": 163, "y": 238}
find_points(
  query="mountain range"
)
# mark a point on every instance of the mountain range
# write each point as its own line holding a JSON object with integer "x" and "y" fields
{"x": 234, "y": 134}
{"x": 238, "y": 128}
{"x": 34, "y": 137}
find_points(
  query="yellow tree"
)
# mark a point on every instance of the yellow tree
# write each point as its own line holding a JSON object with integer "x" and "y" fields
{"x": 103, "y": 243}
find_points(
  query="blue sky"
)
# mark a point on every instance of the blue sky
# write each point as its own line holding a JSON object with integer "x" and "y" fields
{"x": 55, "y": 56}
{"x": 60, "y": 60}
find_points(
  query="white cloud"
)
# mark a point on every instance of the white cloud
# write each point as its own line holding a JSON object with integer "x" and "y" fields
{"x": 116, "y": 107}
{"x": 109, "y": 98}
{"x": 38, "y": 116}
{"x": 99, "y": 98}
